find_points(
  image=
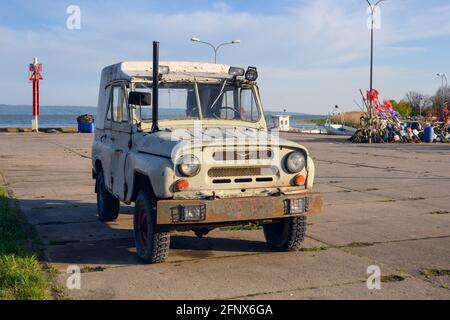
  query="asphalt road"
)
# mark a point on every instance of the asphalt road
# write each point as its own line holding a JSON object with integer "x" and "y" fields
{"x": 385, "y": 205}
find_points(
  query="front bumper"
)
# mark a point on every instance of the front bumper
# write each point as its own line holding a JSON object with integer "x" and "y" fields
{"x": 232, "y": 210}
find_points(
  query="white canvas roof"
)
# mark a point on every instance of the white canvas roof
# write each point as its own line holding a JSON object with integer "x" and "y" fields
{"x": 128, "y": 70}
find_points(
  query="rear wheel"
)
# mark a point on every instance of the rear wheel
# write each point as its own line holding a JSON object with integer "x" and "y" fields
{"x": 108, "y": 206}
{"x": 152, "y": 245}
{"x": 287, "y": 235}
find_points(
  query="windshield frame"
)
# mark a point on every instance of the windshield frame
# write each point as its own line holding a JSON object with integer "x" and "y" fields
{"x": 259, "y": 122}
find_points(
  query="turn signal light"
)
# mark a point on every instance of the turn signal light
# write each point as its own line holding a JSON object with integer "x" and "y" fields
{"x": 182, "y": 185}
{"x": 299, "y": 180}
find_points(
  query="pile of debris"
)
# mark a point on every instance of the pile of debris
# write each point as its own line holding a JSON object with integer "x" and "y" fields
{"x": 382, "y": 124}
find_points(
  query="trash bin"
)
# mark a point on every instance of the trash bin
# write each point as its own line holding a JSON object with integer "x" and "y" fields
{"x": 428, "y": 134}
{"x": 86, "y": 123}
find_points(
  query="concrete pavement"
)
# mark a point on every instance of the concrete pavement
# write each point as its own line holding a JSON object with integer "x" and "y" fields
{"x": 385, "y": 205}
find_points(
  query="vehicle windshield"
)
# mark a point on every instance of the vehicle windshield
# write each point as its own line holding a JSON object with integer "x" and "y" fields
{"x": 181, "y": 101}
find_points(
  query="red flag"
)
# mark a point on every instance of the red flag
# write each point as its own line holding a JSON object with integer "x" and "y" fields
{"x": 372, "y": 95}
{"x": 378, "y": 105}
{"x": 388, "y": 104}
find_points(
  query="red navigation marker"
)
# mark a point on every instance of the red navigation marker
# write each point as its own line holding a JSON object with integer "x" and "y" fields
{"x": 36, "y": 76}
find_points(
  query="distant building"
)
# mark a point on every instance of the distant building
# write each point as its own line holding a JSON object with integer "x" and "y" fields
{"x": 282, "y": 122}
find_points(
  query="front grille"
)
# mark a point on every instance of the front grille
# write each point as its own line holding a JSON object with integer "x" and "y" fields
{"x": 240, "y": 155}
{"x": 240, "y": 172}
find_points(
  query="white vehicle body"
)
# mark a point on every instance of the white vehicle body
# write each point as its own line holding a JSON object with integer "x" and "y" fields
{"x": 242, "y": 176}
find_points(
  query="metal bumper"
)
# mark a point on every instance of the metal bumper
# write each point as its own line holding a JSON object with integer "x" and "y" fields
{"x": 237, "y": 209}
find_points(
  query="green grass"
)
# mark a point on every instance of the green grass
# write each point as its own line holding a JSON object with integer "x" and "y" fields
{"x": 21, "y": 276}
{"x": 440, "y": 212}
{"x": 435, "y": 272}
{"x": 320, "y": 121}
{"x": 248, "y": 227}
{"x": 313, "y": 249}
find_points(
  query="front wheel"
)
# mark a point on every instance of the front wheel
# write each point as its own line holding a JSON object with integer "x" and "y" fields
{"x": 287, "y": 235}
{"x": 152, "y": 245}
{"x": 108, "y": 206}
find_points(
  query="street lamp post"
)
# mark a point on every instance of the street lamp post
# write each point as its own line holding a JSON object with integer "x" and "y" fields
{"x": 215, "y": 48}
{"x": 443, "y": 77}
{"x": 372, "y": 8}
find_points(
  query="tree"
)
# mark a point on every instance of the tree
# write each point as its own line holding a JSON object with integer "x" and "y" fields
{"x": 418, "y": 102}
{"x": 403, "y": 108}
{"x": 440, "y": 98}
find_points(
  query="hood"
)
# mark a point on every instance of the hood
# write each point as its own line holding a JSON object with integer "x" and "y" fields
{"x": 168, "y": 143}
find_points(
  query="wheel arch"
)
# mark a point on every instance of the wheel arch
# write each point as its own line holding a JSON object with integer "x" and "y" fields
{"x": 98, "y": 167}
{"x": 140, "y": 181}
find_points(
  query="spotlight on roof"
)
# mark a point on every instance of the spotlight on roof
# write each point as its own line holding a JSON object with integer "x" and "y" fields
{"x": 251, "y": 74}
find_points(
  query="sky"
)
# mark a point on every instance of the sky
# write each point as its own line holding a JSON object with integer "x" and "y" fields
{"x": 311, "y": 54}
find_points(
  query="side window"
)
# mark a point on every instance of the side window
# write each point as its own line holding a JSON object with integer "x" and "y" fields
{"x": 228, "y": 106}
{"x": 108, "y": 114}
{"x": 108, "y": 111}
{"x": 249, "y": 108}
{"x": 119, "y": 107}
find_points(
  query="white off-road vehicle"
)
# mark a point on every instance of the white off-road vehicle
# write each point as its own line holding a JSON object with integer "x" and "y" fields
{"x": 192, "y": 151}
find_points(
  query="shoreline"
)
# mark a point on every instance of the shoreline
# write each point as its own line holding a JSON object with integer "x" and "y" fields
{"x": 41, "y": 130}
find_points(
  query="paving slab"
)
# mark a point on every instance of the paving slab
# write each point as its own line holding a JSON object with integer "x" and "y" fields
{"x": 409, "y": 288}
{"x": 206, "y": 278}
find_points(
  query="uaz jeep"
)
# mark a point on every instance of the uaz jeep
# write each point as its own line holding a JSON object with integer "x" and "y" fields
{"x": 192, "y": 151}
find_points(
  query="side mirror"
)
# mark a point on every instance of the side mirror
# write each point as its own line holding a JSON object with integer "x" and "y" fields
{"x": 140, "y": 99}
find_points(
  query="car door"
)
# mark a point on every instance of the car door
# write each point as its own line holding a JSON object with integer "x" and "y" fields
{"x": 120, "y": 137}
{"x": 107, "y": 147}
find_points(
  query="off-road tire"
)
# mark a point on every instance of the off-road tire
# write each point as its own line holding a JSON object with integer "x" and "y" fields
{"x": 152, "y": 244}
{"x": 108, "y": 206}
{"x": 287, "y": 235}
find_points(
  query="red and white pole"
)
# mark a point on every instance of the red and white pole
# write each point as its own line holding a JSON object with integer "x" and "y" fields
{"x": 36, "y": 76}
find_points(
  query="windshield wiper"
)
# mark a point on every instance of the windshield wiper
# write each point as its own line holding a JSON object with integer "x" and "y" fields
{"x": 220, "y": 94}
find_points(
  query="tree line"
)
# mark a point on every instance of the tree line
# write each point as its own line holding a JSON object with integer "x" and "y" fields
{"x": 415, "y": 104}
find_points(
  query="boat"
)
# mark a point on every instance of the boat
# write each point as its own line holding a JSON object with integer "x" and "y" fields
{"x": 338, "y": 129}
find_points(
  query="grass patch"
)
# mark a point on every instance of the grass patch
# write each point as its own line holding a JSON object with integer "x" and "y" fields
{"x": 392, "y": 278}
{"x": 387, "y": 201}
{"x": 358, "y": 245}
{"x": 248, "y": 227}
{"x": 21, "y": 276}
{"x": 435, "y": 272}
{"x": 416, "y": 198}
{"x": 90, "y": 269}
{"x": 440, "y": 212}
{"x": 320, "y": 121}
{"x": 313, "y": 249}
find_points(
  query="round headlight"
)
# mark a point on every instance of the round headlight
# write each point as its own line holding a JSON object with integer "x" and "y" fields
{"x": 189, "y": 166}
{"x": 251, "y": 74}
{"x": 296, "y": 162}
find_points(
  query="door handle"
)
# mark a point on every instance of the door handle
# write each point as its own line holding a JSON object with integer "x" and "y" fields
{"x": 118, "y": 151}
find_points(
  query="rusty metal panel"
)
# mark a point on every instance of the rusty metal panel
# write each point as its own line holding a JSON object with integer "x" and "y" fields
{"x": 236, "y": 209}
